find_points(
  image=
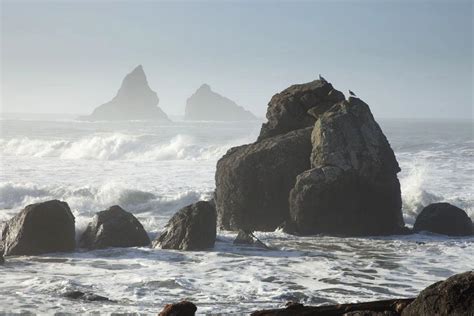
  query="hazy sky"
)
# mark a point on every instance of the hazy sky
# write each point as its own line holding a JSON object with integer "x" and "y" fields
{"x": 405, "y": 58}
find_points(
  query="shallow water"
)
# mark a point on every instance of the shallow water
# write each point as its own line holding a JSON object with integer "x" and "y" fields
{"x": 153, "y": 169}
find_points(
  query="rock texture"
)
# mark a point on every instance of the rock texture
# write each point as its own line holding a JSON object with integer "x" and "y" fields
{"x": 114, "y": 227}
{"x": 253, "y": 181}
{"x": 444, "y": 218}
{"x": 375, "y": 308}
{"x": 183, "y": 308}
{"x": 191, "y": 228}
{"x": 352, "y": 188}
{"x": 40, "y": 228}
{"x": 91, "y": 297}
{"x": 134, "y": 101}
{"x": 298, "y": 107}
{"x": 454, "y": 296}
{"x": 206, "y": 105}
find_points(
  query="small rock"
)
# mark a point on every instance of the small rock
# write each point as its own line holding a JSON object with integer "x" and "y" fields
{"x": 444, "y": 218}
{"x": 183, "y": 308}
{"x": 191, "y": 228}
{"x": 40, "y": 228}
{"x": 114, "y": 227}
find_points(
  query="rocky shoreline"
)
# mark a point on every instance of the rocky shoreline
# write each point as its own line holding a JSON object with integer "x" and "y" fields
{"x": 321, "y": 165}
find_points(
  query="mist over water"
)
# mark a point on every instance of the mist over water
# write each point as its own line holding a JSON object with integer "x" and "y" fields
{"x": 153, "y": 169}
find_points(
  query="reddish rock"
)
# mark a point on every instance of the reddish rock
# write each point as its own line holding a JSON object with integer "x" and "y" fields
{"x": 183, "y": 308}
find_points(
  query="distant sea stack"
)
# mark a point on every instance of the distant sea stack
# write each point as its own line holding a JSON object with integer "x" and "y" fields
{"x": 134, "y": 101}
{"x": 206, "y": 105}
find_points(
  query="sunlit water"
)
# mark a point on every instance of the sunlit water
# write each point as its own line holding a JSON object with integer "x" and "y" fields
{"x": 154, "y": 169}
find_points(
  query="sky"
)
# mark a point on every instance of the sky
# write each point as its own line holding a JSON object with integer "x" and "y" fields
{"x": 406, "y": 59}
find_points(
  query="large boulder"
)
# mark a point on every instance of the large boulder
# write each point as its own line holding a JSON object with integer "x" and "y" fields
{"x": 114, "y": 227}
{"x": 352, "y": 188}
{"x": 183, "y": 308}
{"x": 454, "y": 296}
{"x": 206, "y": 104}
{"x": 298, "y": 107}
{"x": 40, "y": 228}
{"x": 253, "y": 181}
{"x": 191, "y": 228}
{"x": 134, "y": 101}
{"x": 444, "y": 218}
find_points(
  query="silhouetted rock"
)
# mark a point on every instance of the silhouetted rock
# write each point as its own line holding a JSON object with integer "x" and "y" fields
{"x": 374, "y": 308}
{"x": 79, "y": 295}
{"x": 40, "y": 228}
{"x": 191, "y": 228}
{"x": 134, "y": 101}
{"x": 454, "y": 296}
{"x": 207, "y": 105}
{"x": 444, "y": 218}
{"x": 114, "y": 227}
{"x": 298, "y": 107}
{"x": 183, "y": 308}
{"x": 253, "y": 181}
{"x": 352, "y": 188}
{"x": 2, "y": 260}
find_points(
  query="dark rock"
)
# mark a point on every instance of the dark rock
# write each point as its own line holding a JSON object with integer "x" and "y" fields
{"x": 134, "y": 101}
{"x": 191, "y": 228}
{"x": 375, "y": 308}
{"x": 454, "y": 296}
{"x": 2, "y": 260}
{"x": 253, "y": 181}
{"x": 40, "y": 228}
{"x": 444, "y": 218}
{"x": 114, "y": 227}
{"x": 205, "y": 104}
{"x": 352, "y": 188}
{"x": 298, "y": 107}
{"x": 248, "y": 238}
{"x": 79, "y": 295}
{"x": 183, "y": 308}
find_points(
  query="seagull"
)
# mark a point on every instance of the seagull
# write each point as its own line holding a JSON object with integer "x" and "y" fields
{"x": 322, "y": 79}
{"x": 352, "y": 93}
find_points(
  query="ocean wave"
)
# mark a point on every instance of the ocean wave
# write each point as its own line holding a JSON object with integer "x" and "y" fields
{"x": 88, "y": 200}
{"x": 114, "y": 147}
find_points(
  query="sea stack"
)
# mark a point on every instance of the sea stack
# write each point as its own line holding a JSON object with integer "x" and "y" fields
{"x": 206, "y": 105}
{"x": 134, "y": 101}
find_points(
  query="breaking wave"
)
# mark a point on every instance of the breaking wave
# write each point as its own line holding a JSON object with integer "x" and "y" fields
{"x": 114, "y": 147}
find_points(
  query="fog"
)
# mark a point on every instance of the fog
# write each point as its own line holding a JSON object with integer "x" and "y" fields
{"x": 405, "y": 60}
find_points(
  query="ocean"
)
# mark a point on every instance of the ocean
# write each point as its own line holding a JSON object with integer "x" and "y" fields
{"x": 153, "y": 169}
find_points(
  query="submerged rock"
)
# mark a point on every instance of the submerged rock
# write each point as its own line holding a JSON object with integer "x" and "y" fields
{"x": 444, "y": 218}
{"x": 454, "y": 296}
{"x": 79, "y": 295}
{"x": 114, "y": 227}
{"x": 191, "y": 228}
{"x": 40, "y": 228}
{"x": 134, "y": 101}
{"x": 183, "y": 308}
{"x": 248, "y": 238}
{"x": 352, "y": 188}
{"x": 253, "y": 181}
{"x": 298, "y": 107}
{"x": 205, "y": 104}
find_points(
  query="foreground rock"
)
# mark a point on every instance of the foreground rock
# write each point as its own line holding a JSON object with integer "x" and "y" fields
{"x": 79, "y": 295}
{"x": 454, "y": 296}
{"x": 444, "y": 218}
{"x": 183, "y": 308}
{"x": 114, "y": 227}
{"x": 207, "y": 105}
{"x": 352, "y": 188}
{"x": 2, "y": 260}
{"x": 134, "y": 101}
{"x": 191, "y": 228}
{"x": 253, "y": 181}
{"x": 298, "y": 107}
{"x": 40, "y": 228}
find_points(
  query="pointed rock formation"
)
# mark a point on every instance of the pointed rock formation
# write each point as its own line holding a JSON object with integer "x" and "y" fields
{"x": 206, "y": 105}
{"x": 134, "y": 101}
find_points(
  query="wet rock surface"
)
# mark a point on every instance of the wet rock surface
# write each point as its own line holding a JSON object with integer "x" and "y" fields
{"x": 444, "y": 218}
{"x": 40, "y": 228}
